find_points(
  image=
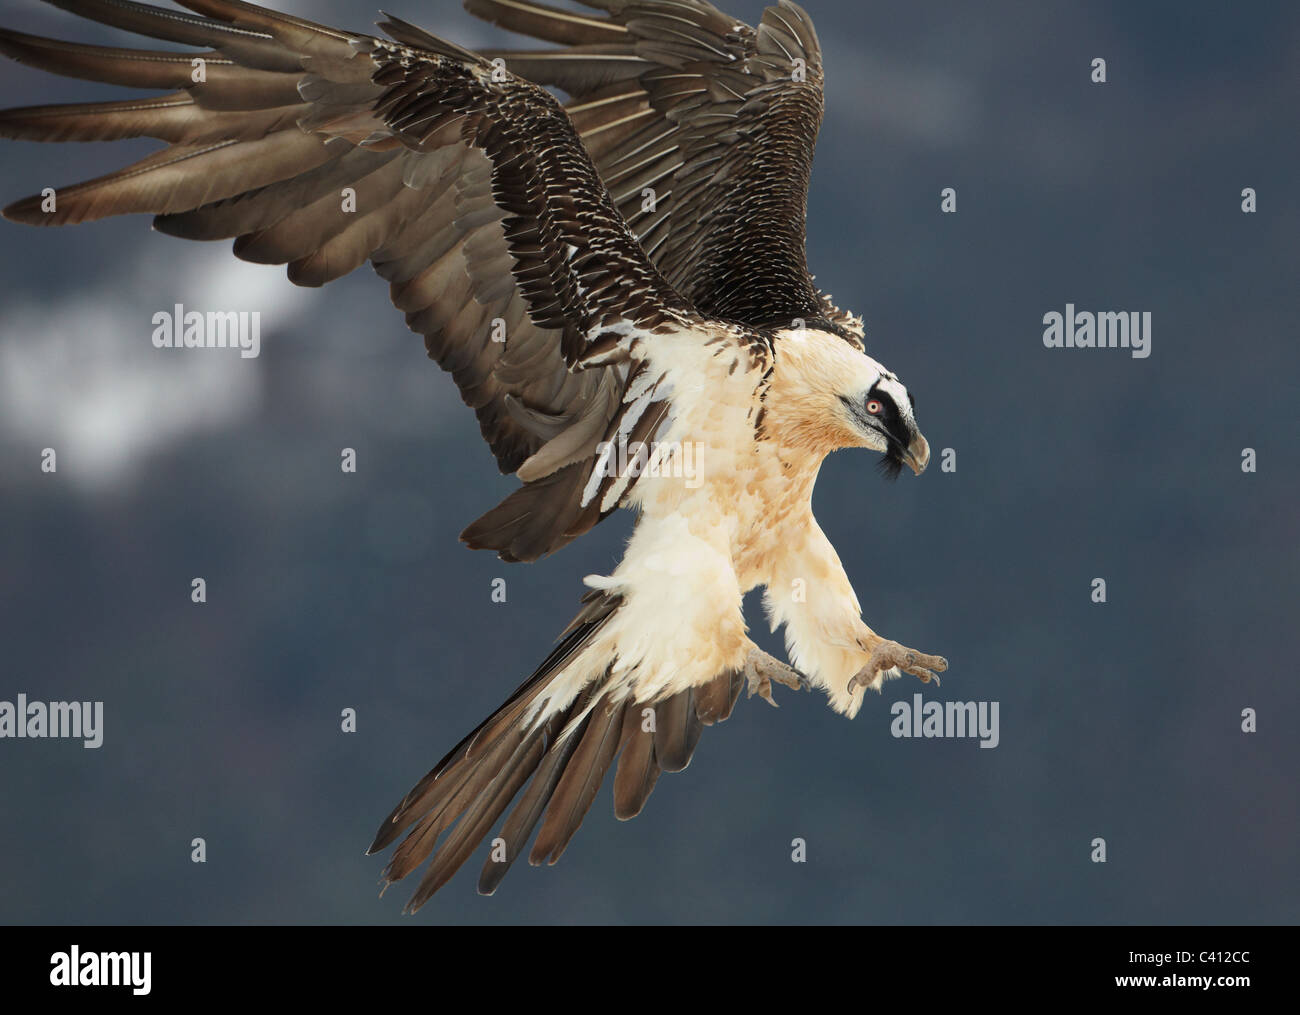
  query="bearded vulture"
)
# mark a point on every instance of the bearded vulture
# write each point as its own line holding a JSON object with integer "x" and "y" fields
{"x": 618, "y": 287}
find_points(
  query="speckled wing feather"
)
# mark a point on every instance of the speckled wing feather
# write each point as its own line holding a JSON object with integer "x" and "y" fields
{"x": 703, "y": 129}
{"x": 473, "y": 197}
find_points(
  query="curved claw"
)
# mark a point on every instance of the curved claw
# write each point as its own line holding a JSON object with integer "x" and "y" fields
{"x": 761, "y": 669}
{"x": 890, "y": 655}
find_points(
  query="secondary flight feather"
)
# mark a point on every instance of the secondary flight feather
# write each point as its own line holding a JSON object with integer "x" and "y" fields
{"x": 618, "y": 287}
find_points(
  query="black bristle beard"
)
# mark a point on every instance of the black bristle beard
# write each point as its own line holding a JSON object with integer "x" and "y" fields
{"x": 890, "y": 464}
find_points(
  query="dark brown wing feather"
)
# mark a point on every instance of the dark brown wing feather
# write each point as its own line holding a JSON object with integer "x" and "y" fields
{"x": 473, "y": 198}
{"x": 719, "y": 120}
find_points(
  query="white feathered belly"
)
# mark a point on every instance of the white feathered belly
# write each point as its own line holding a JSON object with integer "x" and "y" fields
{"x": 701, "y": 542}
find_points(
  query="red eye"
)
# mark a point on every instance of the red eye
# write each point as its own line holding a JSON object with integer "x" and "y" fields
{"x": 874, "y": 407}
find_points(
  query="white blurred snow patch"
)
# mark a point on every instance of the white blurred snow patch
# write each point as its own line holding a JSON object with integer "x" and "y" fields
{"x": 82, "y": 376}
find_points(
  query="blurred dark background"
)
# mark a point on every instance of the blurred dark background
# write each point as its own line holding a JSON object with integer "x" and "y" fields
{"x": 328, "y": 591}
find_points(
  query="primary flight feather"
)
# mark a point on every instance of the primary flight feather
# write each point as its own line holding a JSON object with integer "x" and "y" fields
{"x": 618, "y": 287}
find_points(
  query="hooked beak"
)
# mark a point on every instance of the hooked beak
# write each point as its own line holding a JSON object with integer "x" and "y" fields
{"x": 917, "y": 456}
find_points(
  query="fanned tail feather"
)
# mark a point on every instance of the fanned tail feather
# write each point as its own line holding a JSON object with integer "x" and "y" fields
{"x": 558, "y": 764}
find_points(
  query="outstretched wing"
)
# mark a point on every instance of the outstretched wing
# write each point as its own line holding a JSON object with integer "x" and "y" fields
{"x": 470, "y": 193}
{"x": 703, "y": 129}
